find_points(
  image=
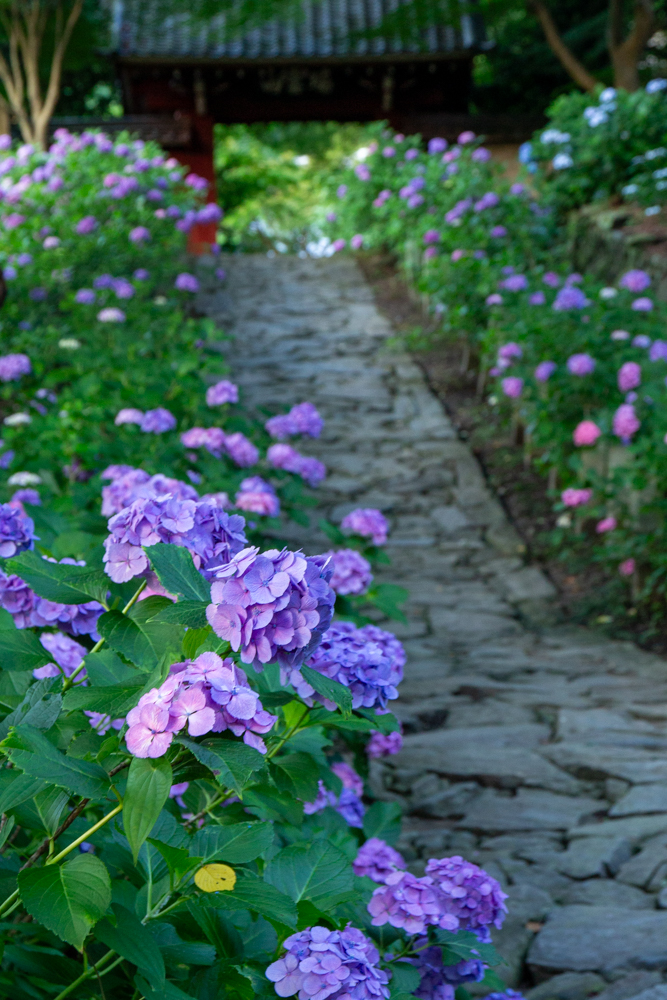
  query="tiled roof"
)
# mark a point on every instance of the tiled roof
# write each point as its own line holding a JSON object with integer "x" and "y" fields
{"x": 325, "y": 29}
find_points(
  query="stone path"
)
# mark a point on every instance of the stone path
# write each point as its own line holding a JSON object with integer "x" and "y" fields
{"x": 537, "y": 752}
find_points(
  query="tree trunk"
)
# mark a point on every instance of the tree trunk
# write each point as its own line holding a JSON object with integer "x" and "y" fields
{"x": 626, "y": 53}
{"x": 567, "y": 59}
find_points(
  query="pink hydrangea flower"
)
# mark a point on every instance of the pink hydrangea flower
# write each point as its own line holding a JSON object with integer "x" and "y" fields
{"x": 606, "y": 524}
{"x": 111, "y": 315}
{"x": 129, "y": 415}
{"x": 357, "y": 241}
{"x": 580, "y": 364}
{"x": 627, "y": 567}
{"x": 512, "y": 386}
{"x": 635, "y": 281}
{"x": 367, "y": 522}
{"x": 626, "y": 422}
{"x": 629, "y": 376}
{"x": 573, "y": 497}
{"x": 585, "y": 433}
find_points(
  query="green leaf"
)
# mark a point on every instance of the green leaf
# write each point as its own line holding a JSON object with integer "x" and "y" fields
{"x": 32, "y": 753}
{"x": 148, "y": 784}
{"x": 190, "y": 613}
{"x": 218, "y": 929}
{"x": 133, "y": 941}
{"x": 166, "y": 991}
{"x": 20, "y": 649}
{"x": 329, "y": 689}
{"x": 267, "y": 802}
{"x": 64, "y": 584}
{"x": 404, "y": 979}
{"x": 179, "y": 861}
{"x": 388, "y": 597}
{"x": 256, "y": 894}
{"x": 231, "y": 761}
{"x": 6, "y": 620}
{"x": 16, "y": 788}
{"x": 194, "y": 638}
{"x": 236, "y": 843}
{"x": 317, "y": 871}
{"x": 114, "y": 700}
{"x": 50, "y": 804}
{"x": 67, "y": 899}
{"x": 383, "y": 820}
{"x": 176, "y": 572}
{"x": 105, "y": 668}
{"x": 124, "y": 635}
{"x": 301, "y": 773}
{"x": 40, "y": 707}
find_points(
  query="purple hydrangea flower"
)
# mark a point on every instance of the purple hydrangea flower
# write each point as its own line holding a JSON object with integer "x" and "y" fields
{"x": 658, "y": 351}
{"x": 26, "y": 495}
{"x": 86, "y": 225}
{"x": 13, "y": 366}
{"x": 283, "y": 456}
{"x": 437, "y": 145}
{"x": 377, "y": 859}
{"x": 551, "y": 279}
{"x": 222, "y": 392}
{"x": 211, "y": 535}
{"x": 66, "y": 653}
{"x": 205, "y": 695}
{"x": 301, "y": 419}
{"x": 211, "y": 438}
{"x": 351, "y": 572}
{"x": 497, "y": 232}
{"x": 488, "y": 200}
{"x": 626, "y": 423}
{"x": 258, "y": 497}
{"x": 438, "y": 982}
{"x": 629, "y": 376}
{"x": 272, "y": 606}
{"x": 329, "y": 965}
{"x": 141, "y": 274}
{"x": 580, "y": 364}
{"x": 157, "y": 421}
{"x": 411, "y": 904}
{"x": 642, "y": 305}
{"x": 111, "y": 314}
{"x": 29, "y": 610}
{"x": 635, "y": 281}
{"x": 381, "y": 745}
{"x": 545, "y": 370}
{"x": 472, "y": 896}
{"x": 537, "y": 299}
{"x": 123, "y": 289}
{"x": 17, "y": 532}
{"x": 128, "y": 484}
{"x": 512, "y": 386}
{"x": 139, "y": 234}
{"x": 85, "y": 296}
{"x": 367, "y": 522}
{"x": 569, "y": 297}
{"x": 348, "y": 804}
{"x": 186, "y": 282}
{"x": 368, "y": 661}
{"x": 241, "y": 451}
{"x": 128, "y": 415}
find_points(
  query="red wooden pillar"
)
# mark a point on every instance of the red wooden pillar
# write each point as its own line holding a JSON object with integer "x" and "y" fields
{"x": 199, "y": 160}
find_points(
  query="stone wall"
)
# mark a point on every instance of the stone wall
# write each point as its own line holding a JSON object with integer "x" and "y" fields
{"x": 605, "y": 241}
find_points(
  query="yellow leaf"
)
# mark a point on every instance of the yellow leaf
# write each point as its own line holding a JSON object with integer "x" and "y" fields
{"x": 215, "y": 878}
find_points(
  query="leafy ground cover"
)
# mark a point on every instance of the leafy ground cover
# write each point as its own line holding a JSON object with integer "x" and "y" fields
{"x": 186, "y": 727}
{"x": 574, "y": 367}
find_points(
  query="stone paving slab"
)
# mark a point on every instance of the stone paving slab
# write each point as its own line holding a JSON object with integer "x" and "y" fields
{"x": 538, "y": 752}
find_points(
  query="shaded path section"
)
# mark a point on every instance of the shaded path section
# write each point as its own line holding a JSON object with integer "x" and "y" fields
{"x": 538, "y": 752}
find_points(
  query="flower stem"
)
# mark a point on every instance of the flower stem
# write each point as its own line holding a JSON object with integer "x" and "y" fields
{"x": 88, "y": 973}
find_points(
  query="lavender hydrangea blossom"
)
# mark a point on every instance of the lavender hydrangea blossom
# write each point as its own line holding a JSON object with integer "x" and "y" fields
{"x": 258, "y": 497}
{"x": 13, "y": 366}
{"x": 301, "y": 419}
{"x": 157, "y": 421}
{"x": 410, "y": 903}
{"x": 367, "y": 661}
{"x": 222, "y": 392}
{"x": 283, "y": 456}
{"x": 128, "y": 484}
{"x": 367, "y": 522}
{"x": 272, "y": 606}
{"x": 473, "y": 897}
{"x": 329, "y": 965}
{"x": 351, "y": 572}
{"x": 376, "y": 859}
{"x": 66, "y": 653}
{"x": 17, "y": 532}
{"x": 204, "y": 695}
{"x": 384, "y": 745}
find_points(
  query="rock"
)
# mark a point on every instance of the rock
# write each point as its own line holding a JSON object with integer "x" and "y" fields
{"x": 528, "y": 584}
{"x": 591, "y": 856}
{"x": 635, "y": 828}
{"x": 630, "y": 986}
{"x": 607, "y": 892}
{"x": 657, "y": 992}
{"x": 449, "y": 518}
{"x": 662, "y": 899}
{"x": 600, "y": 939}
{"x": 528, "y": 904}
{"x": 647, "y": 867}
{"x": 591, "y": 762}
{"x": 568, "y": 986}
{"x": 642, "y": 799}
{"x": 449, "y": 802}
{"x": 530, "y": 809}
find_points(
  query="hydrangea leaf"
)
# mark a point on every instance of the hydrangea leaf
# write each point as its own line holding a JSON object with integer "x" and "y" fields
{"x": 33, "y": 754}
{"x": 16, "y": 788}
{"x": 329, "y": 689}
{"x": 259, "y": 896}
{"x": 190, "y": 613}
{"x": 383, "y": 820}
{"x": 236, "y": 843}
{"x": 404, "y": 980}
{"x": 176, "y": 572}
{"x": 317, "y": 871}
{"x": 136, "y": 637}
{"x": 64, "y": 584}
{"x": 105, "y": 669}
{"x": 20, "y": 649}
{"x": 40, "y": 707}
{"x": 67, "y": 899}
{"x": 148, "y": 784}
{"x": 231, "y": 761}
{"x": 128, "y": 936}
{"x": 267, "y": 802}
{"x": 297, "y": 772}
{"x": 114, "y": 700}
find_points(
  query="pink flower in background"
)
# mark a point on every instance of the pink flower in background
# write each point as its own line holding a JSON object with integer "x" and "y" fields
{"x": 362, "y": 172}
{"x": 430, "y": 252}
{"x": 642, "y": 305}
{"x": 627, "y": 567}
{"x": 139, "y": 234}
{"x": 629, "y": 376}
{"x": 512, "y": 386}
{"x": 258, "y": 497}
{"x": 573, "y": 497}
{"x": 465, "y": 138}
{"x": 458, "y": 255}
{"x": 494, "y": 299}
{"x": 111, "y": 315}
{"x": 481, "y": 155}
{"x": 357, "y": 241}
{"x": 580, "y": 364}
{"x": 51, "y": 242}
{"x": 367, "y": 522}
{"x": 338, "y": 245}
{"x": 626, "y": 422}
{"x": 606, "y": 524}
{"x": 129, "y": 416}
{"x": 545, "y": 370}
{"x": 635, "y": 281}
{"x": 551, "y": 279}
{"x": 431, "y": 236}
{"x": 586, "y": 433}
{"x": 86, "y": 225}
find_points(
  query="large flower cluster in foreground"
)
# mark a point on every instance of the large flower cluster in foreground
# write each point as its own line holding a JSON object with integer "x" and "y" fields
{"x": 367, "y": 661}
{"x": 329, "y": 965}
{"x": 205, "y": 695}
{"x": 273, "y": 605}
